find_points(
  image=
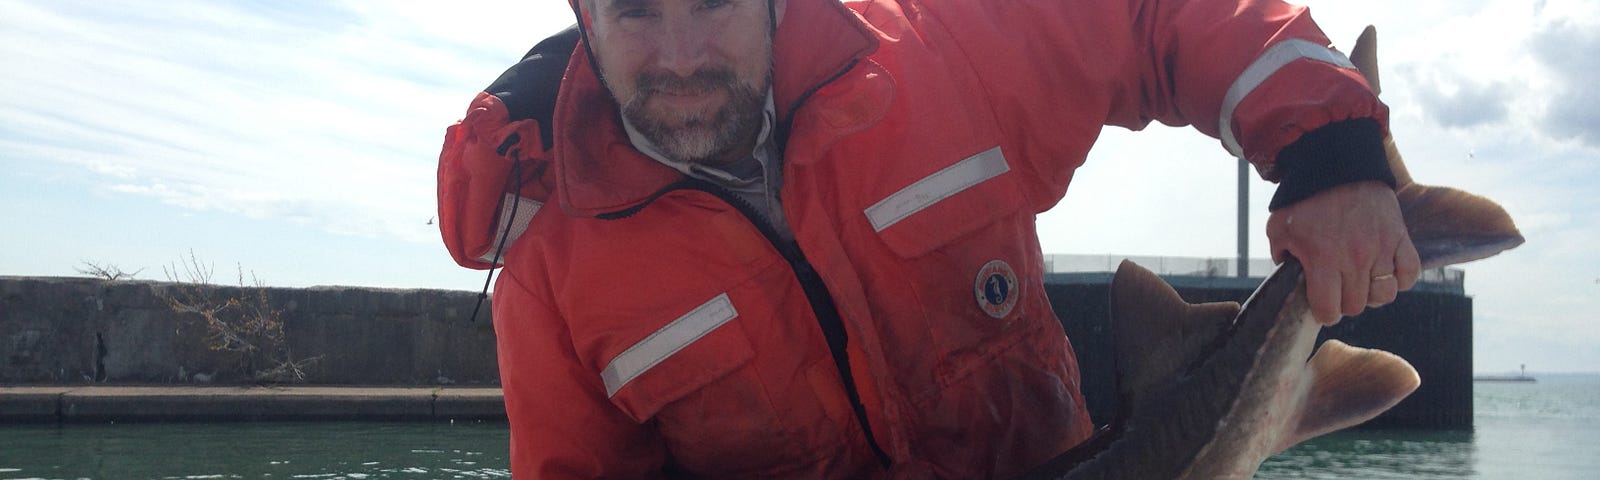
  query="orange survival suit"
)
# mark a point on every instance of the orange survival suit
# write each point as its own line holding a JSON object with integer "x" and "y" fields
{"x": 648, "y": 327}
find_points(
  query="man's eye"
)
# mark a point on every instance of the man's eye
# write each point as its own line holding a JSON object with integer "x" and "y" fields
{"x": 710, "y": 4}
{"x": 634, "y": 13}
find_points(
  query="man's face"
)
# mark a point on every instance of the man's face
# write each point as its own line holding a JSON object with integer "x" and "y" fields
{"x": 691, "y": 75}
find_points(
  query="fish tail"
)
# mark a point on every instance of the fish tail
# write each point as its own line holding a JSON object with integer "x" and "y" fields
{"x": 1450, "y": 226}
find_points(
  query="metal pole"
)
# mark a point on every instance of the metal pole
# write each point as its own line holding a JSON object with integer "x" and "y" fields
{"x": 1244, "y": 218}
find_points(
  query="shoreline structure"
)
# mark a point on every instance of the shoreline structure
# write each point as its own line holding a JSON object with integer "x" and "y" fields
{"x": 79, "y": 350}
{"x": 164, "y": 403}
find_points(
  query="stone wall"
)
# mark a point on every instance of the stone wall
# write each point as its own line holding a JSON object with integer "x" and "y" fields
{"x": 78, "y": 330}
{"x": 72, "y": 331}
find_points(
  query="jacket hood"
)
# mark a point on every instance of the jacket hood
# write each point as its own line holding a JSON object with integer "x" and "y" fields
{"x": 597, "y": 169}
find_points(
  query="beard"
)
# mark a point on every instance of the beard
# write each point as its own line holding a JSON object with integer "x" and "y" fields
{"x": 705, "y": 136}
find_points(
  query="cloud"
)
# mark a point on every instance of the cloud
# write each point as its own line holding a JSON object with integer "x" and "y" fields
{"x": 318, "y": 112}
{"x": 1567, "y": 50}
{"x": 1470, "y": 104}
{"x": 1508, "y": 68}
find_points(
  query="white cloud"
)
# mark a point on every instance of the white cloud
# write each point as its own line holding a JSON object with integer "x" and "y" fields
{"x": 326, "y": 113}
{"x": 1565, "y": 48}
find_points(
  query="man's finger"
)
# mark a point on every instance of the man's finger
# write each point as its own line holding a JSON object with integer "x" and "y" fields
{"x": 1383, "y": 284}
{"x": 1407, "y": 265}
{"x": 1382, "y": 290}
{"x": 1322, "y": 293}
{"x": 1354, "y": 291}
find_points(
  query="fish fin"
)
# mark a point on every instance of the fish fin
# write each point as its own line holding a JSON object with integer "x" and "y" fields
{"x": 1365, "y": 56}
{"x": 1449, "y": 226}
{"x": 1157, "y": 333}
{"x": 1349, "y": 385}
{"x": 1397, "y": 164}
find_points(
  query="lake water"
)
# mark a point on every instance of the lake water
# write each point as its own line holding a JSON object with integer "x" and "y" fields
{"x": 1544, "y": 430}
{"x": 289, "y": 450}
{"x": 1522, "y": 431}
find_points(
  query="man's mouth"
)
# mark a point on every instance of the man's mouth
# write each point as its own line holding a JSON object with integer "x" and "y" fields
{"x": 682, "y": 100}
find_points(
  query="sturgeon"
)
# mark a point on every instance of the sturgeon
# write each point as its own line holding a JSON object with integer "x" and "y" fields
{"x": 1211, "y": 390}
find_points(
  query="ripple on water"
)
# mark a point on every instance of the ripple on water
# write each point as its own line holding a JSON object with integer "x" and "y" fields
{"x": 301, "y": 450}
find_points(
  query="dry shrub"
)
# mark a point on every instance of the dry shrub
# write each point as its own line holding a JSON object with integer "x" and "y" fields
{"x": 244, "y": 324}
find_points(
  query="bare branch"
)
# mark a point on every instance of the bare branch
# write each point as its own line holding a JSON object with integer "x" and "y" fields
{"x": 108, "y": 272}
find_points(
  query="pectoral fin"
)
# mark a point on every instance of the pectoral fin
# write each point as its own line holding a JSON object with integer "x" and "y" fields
{"x": 1349, "y": 385}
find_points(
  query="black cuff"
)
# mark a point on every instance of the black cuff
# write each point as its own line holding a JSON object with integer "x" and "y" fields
{"x": 1342, "y": 152}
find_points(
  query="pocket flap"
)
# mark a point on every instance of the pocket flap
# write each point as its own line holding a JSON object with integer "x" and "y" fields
{"x": 947, "y": 204}
{"x": 683, "y": 356}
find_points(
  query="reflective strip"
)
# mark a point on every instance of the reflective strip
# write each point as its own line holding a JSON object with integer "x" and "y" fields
{"x": 526, "y": 207}
{"x": 1266, "y": 65}
{"x": 644, "y": 355}
{"x": 939, "y": 186}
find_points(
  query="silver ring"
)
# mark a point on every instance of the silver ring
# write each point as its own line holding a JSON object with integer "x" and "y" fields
{"x": 1386, "y": 276}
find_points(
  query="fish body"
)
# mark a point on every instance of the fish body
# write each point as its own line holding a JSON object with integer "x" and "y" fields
{"x": 1211, "y": 390}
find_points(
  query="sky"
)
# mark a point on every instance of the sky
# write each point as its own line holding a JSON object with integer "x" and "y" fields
{"x": 298, "y": 141}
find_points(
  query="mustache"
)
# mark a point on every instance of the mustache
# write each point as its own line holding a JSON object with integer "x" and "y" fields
{"x": 700, "y": 81}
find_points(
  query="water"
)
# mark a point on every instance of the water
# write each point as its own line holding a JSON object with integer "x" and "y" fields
{"x": 335, "y": 450}
{"x": 1522, "y": 431}
{"x": 1544, "y": 430}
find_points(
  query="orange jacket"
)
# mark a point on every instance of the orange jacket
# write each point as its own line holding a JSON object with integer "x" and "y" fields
{"x": 647, "y": 328}
{"x": 501, "y": 139}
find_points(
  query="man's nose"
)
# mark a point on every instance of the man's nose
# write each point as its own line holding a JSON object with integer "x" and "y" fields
{"x": 685, "y": 47}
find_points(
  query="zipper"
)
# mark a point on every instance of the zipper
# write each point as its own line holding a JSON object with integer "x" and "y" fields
{"x": 822, "y": 306}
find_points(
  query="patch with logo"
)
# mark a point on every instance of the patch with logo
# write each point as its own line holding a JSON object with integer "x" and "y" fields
{"x": 996, "y": 288}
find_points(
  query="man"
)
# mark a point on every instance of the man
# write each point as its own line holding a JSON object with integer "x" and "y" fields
{"x": 795, "y": 238}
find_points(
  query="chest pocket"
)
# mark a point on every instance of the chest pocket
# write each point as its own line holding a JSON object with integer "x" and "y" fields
{"x": 694, "y": 378}
{"x": 965, "y": 248}
{"x": 947, "y": 204}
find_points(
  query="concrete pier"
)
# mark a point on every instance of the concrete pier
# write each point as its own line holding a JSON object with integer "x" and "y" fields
{"x": 236, "y": 403}
{"x": 64, "y": 341}
{"x": 73, "y": 331}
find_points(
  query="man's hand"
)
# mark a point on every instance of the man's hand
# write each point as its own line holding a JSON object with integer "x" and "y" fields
{"x": 1353, "y": 244}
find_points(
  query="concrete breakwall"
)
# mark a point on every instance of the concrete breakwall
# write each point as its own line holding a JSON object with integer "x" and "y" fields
{"x": 73, "y": 331}
{"x": 68, "y": 331}
{"x": 221, "y": 403}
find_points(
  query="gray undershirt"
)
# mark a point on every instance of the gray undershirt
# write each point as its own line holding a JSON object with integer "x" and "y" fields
{"x": 756, "y": 178}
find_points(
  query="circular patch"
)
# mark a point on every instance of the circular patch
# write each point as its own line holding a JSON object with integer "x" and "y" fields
{"x": 996, "y": 288}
